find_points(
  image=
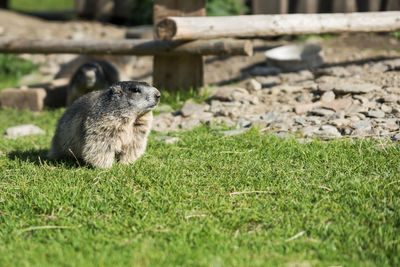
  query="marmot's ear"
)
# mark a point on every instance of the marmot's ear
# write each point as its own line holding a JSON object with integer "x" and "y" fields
{"x": 116, "y": 89}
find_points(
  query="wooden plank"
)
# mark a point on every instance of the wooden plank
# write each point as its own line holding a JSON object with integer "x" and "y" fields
{"x": 174, "y": 72}
{"x": 193, "y": 28}
{"x": 307, "y": 6}
{"x": 344, "y": 6}
{"x": 127, "y": 47}
{"x": 270, "y": 7}
{"x": 393, "y": 5}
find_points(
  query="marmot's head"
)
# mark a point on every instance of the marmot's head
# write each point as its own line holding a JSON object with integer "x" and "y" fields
{"x": 132, "y": 96}
{"x": 92, "y": 73}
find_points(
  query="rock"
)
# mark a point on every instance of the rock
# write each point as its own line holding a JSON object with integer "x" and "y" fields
{"x": 384, "y": 132}
{"x": 362, "y": 125}
{"x": 300, "y": 121}
{"x": 338, "y": 104}
{"x": 165, "y": 122}
{"x": 322, "y": 112}
{"x": 22, "y": 130}
{"x": 302, "y": 98}
{"x": 229, "y": 94}
{"x": 32, "y": 99}
{"x": 265, "y": 71}
{"x": 340, "y": 122}
{"x": 253, "y": 85}
{"x": 291, "y": 88}
{"x": 386, "y": 108}
{"x": 393, "y": 90}
{"x": 304, "y": 108}
{"x": 348, "y": 88}
{"x": 396, "y": 137}
{"x": 271, "y": 117}
{"x": 169, "y": 140}
{"x": 390, "y": 98}
{"x": 376, "y": 114}
{"x": 190, "y": 108}
{"x": 189, "y": 123}
{"x": 309, "y": 131}
{"x": 328, "y": 96}
{"x": 233, "y": 132}
{"x": 328, "y": 131}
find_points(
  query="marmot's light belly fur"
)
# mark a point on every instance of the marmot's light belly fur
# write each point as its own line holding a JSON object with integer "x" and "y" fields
{"x": 108, "y": 124}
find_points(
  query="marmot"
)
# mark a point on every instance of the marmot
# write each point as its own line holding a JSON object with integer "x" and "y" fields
{"x": 91, "y": 76}
{"x": 102, "y": 125}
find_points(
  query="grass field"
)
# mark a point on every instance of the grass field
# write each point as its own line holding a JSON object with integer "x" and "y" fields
{"x": 208, "y": 200}
{"x": 322, "y": 204}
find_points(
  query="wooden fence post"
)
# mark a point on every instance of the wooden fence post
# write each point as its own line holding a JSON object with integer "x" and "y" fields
{"x": 270, "y": 7}
{"x": 4, "y": 4}
{"x": 393, "y": 5}
{"x": 174, "y": 72}
{"x": 307, "y": 6}
{"x": 344, "y": 6}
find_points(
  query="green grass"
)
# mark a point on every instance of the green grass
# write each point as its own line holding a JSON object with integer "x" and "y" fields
{"x": 12, "y": 68}
{"x": 40, "y": 5}
{"x": 173, "y": 206}
{"x": 177, "y": 98}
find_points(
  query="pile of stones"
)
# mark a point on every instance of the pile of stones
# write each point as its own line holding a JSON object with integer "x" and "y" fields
{"x": 339, "y": 100}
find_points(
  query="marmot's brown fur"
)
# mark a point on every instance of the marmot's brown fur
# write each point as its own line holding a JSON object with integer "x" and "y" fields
{"x": 108, "y": 124}
{"x": 91, "y": 76}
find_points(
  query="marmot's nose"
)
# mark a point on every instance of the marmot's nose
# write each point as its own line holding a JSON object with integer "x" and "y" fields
{"x": 157, "y": 94}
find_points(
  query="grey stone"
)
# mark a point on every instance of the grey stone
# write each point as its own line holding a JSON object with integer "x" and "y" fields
{"x": 22, "y": 130}
{"x": 376, "y": 114}
{"x": 322, "y": 112}
{"x": 328, "y": 96}
{"x": 348, "y": 88}
{"x": 271, "y": 116}
{"x": 253, "y": 85}
{"x": 227, "y": 93}
{"x": 302, "y": 98}
{"x": 188, "y": 124}
{"x": 169, "y": 140}
{"x": 396, "y": 137}
{"x": 384, "y": 132}
{"x": 190, "y": 108}
{"x": 385, "y": 108}
{"x": 328, "y": 131}
{"x": 362, "y": 125}
{"x": 233, "y": 132}
{"x": 309, "y": 131}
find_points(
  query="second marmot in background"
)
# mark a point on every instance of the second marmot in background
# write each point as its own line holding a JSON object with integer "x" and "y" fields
{"x": 92, "y": 76}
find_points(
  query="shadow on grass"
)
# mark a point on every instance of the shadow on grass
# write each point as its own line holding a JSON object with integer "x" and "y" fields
{"x": 39, "y": 158}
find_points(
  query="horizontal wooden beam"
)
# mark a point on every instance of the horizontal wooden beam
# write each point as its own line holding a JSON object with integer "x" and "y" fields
{"x": 193, "y": 28}
{"x": 127, "y": 47}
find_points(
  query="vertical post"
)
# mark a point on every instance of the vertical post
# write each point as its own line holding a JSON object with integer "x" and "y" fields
{"x": 393, "y": 5}
{"x": 344, "y": 6}
{"x": 4, "y": 4}
{"x": 174, "y": 72}
{"x": 270, "y": 7}
{"x": 307, "y": 6}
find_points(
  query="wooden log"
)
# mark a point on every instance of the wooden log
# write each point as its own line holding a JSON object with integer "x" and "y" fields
{"x": 270, "y": 7}
{"x": 178, "y": 28}
{"x": 127, "y": 47}
{"x": 180, "y": 71}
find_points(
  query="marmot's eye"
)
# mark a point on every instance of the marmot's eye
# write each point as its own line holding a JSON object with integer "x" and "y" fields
{"x": 135, "y": 90}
